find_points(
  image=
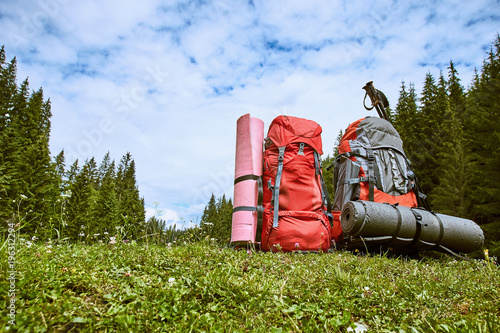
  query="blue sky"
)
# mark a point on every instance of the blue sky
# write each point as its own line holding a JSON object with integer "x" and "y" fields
{"x": 167, "y": 80}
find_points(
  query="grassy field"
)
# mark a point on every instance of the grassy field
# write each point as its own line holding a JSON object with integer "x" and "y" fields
{"x": 202, "y": 287}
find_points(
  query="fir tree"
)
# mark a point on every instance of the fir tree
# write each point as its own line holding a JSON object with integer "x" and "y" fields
{"x": 225, "y": 214}
{"x": 483, "y": 128}
{"x": 8, "y": 172}
{"x": 82, "y": 201}
{"x": 131, "y": 206}
{"x": 406, "y": 119}
{"x": 217, "y": 217}
{"x": 106, "y": 208}
{"x": 456, "y": 93}
{"x": 28, "y": 185}
{"x": 450, "y": 196}
{"x": 209, "y": 217}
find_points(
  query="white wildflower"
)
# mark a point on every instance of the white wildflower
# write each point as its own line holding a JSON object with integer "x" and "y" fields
{"x": 358, "y": 327}
{"x": 171, "y": 281}
{"x": 112, "y": 240}
{"x": 67, "y": 194}
{"x": 23, "y": 196}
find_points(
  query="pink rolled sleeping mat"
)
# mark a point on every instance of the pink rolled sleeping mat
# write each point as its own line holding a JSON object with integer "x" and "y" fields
{"x": 247, "y": 180}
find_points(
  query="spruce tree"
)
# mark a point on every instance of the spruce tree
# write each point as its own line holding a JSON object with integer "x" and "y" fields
{"x": 225, "y": 215}
{"x": 8, "y": 88}
{"x": 28, "y": 181}
{"x": 82, "y": 185}
{"x": 131, "y": 206}
{"x": 456, "y": 93}
{"x": 450, "y": 196}
{"x": 106, "y": 208}
{"x": 406, "y": 119}
{"x": 209, "y": 217}
{"x": 482, "y": 127}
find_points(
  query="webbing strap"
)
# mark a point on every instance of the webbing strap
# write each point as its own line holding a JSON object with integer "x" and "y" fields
{"x": 260, "y": 211}
{"x": 418, "y": 219}
{"x": 277, "y": 182}
{"x": 324, "y": 191}
{"x": 246, "y": 177}
{"x": 245, "y": 209}
{"x": 398, "y": 227}
{"x": 371, "y": 174}
{"x": 350, "y": 181}
{"x": 441, "y": 229}
{"x": 301, "y": 149}
{"x": 317, "y": 165}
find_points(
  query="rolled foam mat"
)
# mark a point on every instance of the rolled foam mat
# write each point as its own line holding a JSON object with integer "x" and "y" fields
{"x": 400, "y": 226}
{"x": 247, "y": 175}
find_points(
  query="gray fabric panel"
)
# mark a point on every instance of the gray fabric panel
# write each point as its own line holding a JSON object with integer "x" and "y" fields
{"x": 392, "y": 172}
{"x": 345, "y": 169}
{"x": 376, "y": 132}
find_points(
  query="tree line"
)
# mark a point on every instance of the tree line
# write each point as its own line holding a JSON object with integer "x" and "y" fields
{"x": 47, "y": 199}
{"x": 40, "y": 194}
{"x": 451, "y": 134}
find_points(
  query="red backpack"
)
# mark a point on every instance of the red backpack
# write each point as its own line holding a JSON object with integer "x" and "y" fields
{"x": 372, "y": 166}
{"x": 295, "y": 197}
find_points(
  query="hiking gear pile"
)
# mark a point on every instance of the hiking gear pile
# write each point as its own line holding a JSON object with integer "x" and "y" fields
{"x": 281, "y": 201}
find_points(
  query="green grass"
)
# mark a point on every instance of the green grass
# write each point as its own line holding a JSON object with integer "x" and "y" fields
{"x": 201, "y": 287}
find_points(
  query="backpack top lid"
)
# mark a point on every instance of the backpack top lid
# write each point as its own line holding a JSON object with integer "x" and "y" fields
{"x": 372, "y": 132}
{"x": 287, "y": 129}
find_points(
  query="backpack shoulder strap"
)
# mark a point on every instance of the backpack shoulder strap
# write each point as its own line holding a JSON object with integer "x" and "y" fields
{"x": 276, "y": 194}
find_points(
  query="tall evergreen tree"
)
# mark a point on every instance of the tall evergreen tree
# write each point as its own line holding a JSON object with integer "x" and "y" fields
{"x": 217, "y": 217}
{"x": 450, "y": 196}
{"x": 8, "y": 88}
{"x": 28, "y": 181}
{"x": 106, "y": 208}
{"x": 425, "y": 162}
{"x": 407, "y": 118}
{"x": 131, "y": 205}
{"x": 456, "y": 93}
{"x": 82, "y": 201}
{"x": 209, "y": 216}
{"x": 483, "y": 105}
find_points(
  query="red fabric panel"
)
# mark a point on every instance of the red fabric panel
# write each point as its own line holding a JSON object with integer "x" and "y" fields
{"x": 300, "y": 187}
{"x": 336, "y": 233}
{"x": 349, "y": 134}
{"x": 297, "y": 230}
{"x": 409, "y": 199}
{"x": 287, "y": 129}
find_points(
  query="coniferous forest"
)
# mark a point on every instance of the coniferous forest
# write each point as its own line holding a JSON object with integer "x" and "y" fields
{"x": 450, "y": 130}
{"x": 46, "y": 198}
{"x": 451, "y": 135}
